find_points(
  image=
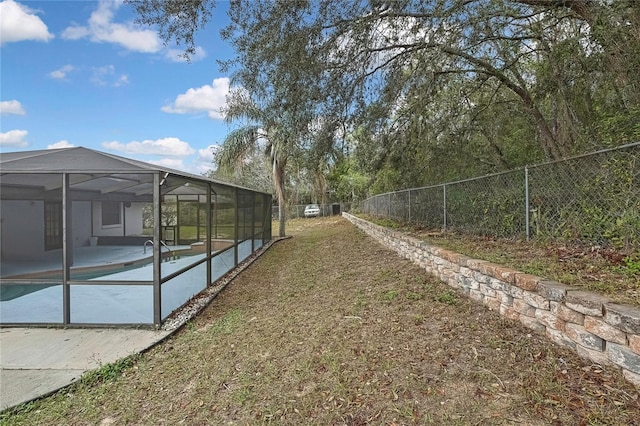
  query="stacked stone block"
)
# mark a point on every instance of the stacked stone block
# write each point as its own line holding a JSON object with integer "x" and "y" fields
{"x": 590, "y": 324}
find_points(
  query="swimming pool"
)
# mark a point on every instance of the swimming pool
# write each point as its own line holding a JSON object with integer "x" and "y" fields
{"x": 114, "y": 293}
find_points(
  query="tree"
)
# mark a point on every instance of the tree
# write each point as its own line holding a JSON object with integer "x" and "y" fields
{"x": 265, "y": 99}
{"x": 436, "y": 89}
{"x": 263, "y": 127}
{"x": 177, "y": 20}
{"x": 251, "y": 170}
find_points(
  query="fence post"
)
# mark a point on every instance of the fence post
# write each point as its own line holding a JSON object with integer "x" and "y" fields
{"x": 444, "y": 207}
{"x": 389, "y": 215}
{"x": 409, "y": 206}
{"x": 526, "y": 200}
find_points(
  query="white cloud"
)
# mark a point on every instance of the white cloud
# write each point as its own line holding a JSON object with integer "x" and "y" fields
{"x": 11, "y": 107}
{"x": 123, "y": 80}
{"x": 206, "y": 154}
{"x": 61, "y": 144}
{"x": 19, "y": 23}
{"x": 14, "y": 138}
{"x": 61, "y": 73}
{"x": 172, "y": 163}
{"x": 177, "y": 55}
{"x": 106, "y": 76}
{"x": 101, "y": 29}
{"x": 204, "y": 160}
{"x": 172, "y": 147}
{"x": 75, "y": 33}
{"x": 208, "y": 98}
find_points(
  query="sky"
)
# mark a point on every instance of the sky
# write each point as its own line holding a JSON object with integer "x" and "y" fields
{"x": 82, "y": 73}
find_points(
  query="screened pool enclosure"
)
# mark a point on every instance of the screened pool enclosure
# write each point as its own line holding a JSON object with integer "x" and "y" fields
{"x": 89, "y": 238}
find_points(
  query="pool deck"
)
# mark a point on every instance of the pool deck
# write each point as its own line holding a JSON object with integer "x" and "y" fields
{"x": 35, "y": 362}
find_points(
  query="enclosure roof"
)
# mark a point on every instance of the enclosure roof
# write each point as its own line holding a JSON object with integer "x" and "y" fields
{"x": 104, "y": 172}
{"x": 75, "y": 160}
{"x": 85, "y": 161}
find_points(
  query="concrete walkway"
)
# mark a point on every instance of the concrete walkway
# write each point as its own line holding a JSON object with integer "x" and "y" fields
{"x": 37, "y": 361}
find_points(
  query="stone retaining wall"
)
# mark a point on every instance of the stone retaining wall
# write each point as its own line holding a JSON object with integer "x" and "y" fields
{"x": 592, "y": 325}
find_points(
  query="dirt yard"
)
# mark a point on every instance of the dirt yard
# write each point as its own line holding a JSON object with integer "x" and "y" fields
{"x": 329, "y": 328}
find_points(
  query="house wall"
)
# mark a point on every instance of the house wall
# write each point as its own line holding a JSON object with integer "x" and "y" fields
{"x": 98, "y": 229}
{"x": 22, "y": 226}
{"x": 81, "y": 222}
{"x": 131, "y": 221}
{"x": 22, "y": 229}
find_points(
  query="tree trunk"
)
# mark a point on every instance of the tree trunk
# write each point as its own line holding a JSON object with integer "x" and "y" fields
{"x": 278, "y": 179}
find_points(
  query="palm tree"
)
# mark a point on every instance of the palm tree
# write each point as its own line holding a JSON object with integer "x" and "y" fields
{"x": 266, "y": 128}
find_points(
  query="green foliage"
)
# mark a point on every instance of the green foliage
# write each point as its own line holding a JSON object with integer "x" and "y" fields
{"x": 347, "y": 182}
{"x": 388, "y": 296}
{"x": 252, "y": 169}
{"x": 176, "y": 20}
{"x": 414, "y": 296}
{"x": 228, "y": 323}
{"x": 632, "y": 264}
{"x": 448, "y": 297}
{"x": 109, "y": 372}
{"x": 379, "y": 96}
{"x": 593, "y": 199}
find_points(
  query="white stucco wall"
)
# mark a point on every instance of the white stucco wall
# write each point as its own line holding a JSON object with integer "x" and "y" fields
{"x": 107, "y": 231}
{"x": 22, "y": 226}
{"x": 133, "y": 219}
{"x": 81, "y": 223}
{"x": 22, "y": 229}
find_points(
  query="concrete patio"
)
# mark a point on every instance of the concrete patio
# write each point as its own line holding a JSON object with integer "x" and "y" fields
{"x": 35, "y": 362}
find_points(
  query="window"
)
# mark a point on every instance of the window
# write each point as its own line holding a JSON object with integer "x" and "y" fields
{"x": 111, "y": 214}
{"x": 52, "y": 225}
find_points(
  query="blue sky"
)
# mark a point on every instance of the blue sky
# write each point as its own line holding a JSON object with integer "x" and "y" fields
{"x": 81, "y": 73}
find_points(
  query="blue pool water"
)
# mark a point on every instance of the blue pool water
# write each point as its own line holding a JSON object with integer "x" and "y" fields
{"x": 140, "y": 272}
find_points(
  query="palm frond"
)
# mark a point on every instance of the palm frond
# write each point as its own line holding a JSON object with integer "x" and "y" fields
{"x": 237, "y": 145}
{"x": 241, "y": 106}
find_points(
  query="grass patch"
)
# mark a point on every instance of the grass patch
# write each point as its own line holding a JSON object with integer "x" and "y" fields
{"x": 448, "y": 297}
{"x": 388, "y": 296}
{"x": 603, "y": 270}
{"x": 228, "y": 323}
{"x": 108, "y": 372}
{"x": 403, "y": 357}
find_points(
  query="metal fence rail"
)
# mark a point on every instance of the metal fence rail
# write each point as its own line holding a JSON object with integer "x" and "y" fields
{"x": 593, "y": 198}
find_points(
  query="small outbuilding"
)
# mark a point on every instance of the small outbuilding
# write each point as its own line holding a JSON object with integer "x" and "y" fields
{"x": 90, "y": 238}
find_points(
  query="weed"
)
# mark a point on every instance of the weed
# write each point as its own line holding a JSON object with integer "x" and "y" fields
{"x": 228, "y": 323}
{"x": 242, "y": 395}
{"x": 361, "y": 300}
{"x": 414, "y": 296}
{"x": 190, "y": 326}
{"x": 632, "y": 264}
{"x": 108, "y": 372}
{"x": 406, "y": 411}
{"x": 384, "y": 276}
{"x": 388, "y": 296}
{"x": 449, "y": 297}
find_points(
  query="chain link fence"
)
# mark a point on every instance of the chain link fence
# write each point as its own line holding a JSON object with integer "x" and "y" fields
{"x": 593, "y": 198}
